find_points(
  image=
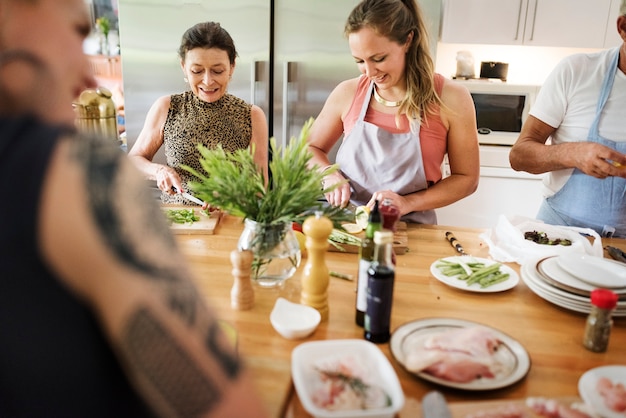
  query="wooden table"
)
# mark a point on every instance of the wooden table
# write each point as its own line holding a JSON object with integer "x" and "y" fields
{"x": 551, "y": 335}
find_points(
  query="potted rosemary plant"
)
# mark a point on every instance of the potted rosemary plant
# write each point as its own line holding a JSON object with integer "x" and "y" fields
{"x": 294, "y": 192}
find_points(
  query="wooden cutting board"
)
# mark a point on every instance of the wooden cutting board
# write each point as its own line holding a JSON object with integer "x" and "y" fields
{"x": 400, "y": 241}
{"x": 206, "y": 225}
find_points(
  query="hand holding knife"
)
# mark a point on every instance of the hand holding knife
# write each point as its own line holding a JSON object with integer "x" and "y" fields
{"x": 455, "y": 243}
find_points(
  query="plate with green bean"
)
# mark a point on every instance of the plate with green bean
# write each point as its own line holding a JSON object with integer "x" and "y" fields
{"x": 474, "y": 274}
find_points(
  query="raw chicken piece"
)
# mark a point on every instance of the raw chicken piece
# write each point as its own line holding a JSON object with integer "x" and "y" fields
{"x": 507, "y": 411}
{"x": 614, "y": 395}
{"x": 476, "y": 341}
{"x": 460, "y": 367}
{"x": 460, "y": 355}
{"x": 551, "y": 408}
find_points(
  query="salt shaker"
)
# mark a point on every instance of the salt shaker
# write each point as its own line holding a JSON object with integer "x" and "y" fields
{"x": 315, "y": 278}
{"x": 242, "y": 293}
{"x": 599, "y": 322}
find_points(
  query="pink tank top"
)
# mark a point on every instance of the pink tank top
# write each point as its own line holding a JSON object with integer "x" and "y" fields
{"x": 433, "y": 133}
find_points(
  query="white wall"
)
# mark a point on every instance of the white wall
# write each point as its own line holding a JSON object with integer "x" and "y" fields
{"x": 527, "y": 64}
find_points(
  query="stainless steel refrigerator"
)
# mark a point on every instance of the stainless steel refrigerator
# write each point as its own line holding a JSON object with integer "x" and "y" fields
{"x": 292, "y": 53}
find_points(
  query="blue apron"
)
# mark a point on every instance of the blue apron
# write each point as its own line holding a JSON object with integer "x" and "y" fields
{"x": 374, "y": 159}
{"x": 586, "y": 201}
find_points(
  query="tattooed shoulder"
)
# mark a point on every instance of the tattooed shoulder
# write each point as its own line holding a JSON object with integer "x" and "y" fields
{"x": 124, "y": 209}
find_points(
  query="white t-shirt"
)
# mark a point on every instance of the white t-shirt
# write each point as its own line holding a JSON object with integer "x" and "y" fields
{"x": 568, "y": 100}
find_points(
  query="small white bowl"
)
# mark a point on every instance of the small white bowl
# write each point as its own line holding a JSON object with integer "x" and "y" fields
{"x": 367, "y": 358}
{"x": 294, "y": 320}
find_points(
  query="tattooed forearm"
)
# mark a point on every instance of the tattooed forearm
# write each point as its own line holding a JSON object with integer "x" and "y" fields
{"x": 132, "y": 224}
{"x": 229, "y": 362}
{"x": 167, "y": 367}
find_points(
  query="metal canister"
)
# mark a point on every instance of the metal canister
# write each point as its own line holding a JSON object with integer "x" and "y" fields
{"x": 96, "y": 113}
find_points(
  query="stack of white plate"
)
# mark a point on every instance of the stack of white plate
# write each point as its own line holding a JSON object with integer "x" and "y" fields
{"x": 567, "y": 280}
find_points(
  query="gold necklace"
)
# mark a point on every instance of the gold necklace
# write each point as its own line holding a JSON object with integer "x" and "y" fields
{"x": 385, "y": 102}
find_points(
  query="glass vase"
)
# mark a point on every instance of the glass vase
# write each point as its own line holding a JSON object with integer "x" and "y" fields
{"x": 276, "y": 252}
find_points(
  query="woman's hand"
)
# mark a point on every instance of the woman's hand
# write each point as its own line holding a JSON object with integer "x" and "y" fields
{"x": 398, "y": 201}
{"x": 168, "y": 180}
{"x": 341, "y": 195}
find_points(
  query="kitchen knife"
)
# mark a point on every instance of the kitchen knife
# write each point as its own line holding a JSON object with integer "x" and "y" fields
{"x": 616, "y": 253}
{"x": 192, "y": 198}
{"x": 189, "y": 197}
{"x": 434, "y": 405}
{"x": 455, "y": 243}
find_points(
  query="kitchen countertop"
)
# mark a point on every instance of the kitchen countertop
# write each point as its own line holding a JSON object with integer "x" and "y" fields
{"x": 551, "y": 335}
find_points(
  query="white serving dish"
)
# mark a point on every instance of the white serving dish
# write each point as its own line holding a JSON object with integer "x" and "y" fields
{"x": 379, "y": 372}
{"x": 294, "y": 320}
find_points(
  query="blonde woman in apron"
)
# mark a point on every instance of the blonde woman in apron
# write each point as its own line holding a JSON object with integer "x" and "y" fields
{"x": 398, "y": 119}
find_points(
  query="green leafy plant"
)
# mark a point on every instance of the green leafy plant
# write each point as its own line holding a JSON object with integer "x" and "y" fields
{"x": 233, "y": 182}
{"x": 104, "y": 25}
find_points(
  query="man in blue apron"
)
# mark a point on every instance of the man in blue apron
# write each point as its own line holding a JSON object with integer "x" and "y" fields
{"x": 581, "y": 108}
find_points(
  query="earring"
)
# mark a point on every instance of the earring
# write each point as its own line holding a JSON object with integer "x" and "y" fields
{"x": 185, "y": 80}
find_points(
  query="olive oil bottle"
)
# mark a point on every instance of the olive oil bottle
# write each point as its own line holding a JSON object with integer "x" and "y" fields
{"x": 366, "y": 256}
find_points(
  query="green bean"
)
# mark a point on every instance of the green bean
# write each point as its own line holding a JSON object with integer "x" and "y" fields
{"x": 181, "y": 216}
{"x": 497, "y": 278}
{"x": 483, "y": 275}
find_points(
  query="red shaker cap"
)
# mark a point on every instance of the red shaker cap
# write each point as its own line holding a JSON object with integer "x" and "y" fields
{"x": 604, "y": 298}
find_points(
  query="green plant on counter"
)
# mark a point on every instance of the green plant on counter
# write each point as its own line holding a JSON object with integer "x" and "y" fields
{"x": 104, "y": 25}
{"x": 236, "y": 185}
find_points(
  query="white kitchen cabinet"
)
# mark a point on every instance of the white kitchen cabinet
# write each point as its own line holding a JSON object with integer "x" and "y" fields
{"x": 500, "y": 192}
{"x": 560, "y": 23}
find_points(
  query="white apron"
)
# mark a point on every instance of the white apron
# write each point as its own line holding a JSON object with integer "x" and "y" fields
{"x": 374, "y": 159}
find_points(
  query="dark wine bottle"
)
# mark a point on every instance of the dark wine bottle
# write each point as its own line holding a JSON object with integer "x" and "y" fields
{"x": 366, "y": 256}
{"x": 380, "y": 280}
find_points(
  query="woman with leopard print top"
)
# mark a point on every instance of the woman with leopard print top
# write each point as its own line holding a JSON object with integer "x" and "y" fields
{"x": 206, "y": 114}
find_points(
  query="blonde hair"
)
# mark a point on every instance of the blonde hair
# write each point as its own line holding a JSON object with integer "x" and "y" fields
{"x": 397, "y": 20}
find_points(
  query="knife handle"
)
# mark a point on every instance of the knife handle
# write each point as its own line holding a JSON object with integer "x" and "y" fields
{"x": 616, "y": 253}
{"x": 454, "y": 242}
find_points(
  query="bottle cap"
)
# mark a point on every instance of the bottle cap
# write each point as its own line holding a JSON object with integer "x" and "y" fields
{"x": 383, "y": 237}
{"x": 604, "y": 298}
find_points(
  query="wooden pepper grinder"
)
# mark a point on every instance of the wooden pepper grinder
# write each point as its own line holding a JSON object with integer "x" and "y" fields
{"x": 242, "y": 293}
{"x": 315, "y": 277}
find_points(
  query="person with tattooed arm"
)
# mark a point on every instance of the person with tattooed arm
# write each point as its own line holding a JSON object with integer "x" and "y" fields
{"x": 98, "y": 313}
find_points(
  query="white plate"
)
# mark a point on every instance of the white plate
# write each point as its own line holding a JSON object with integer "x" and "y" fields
{"x": 511, "y": 354}
{"x": 510, "y": 283}
{"x": 594, "y": 270}
{"x": 550, "y": 266}
{"x": 535, "y": 282}
{"x": 589, "y": 394}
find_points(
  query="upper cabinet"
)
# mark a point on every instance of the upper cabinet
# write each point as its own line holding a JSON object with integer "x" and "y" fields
{"x": 562, "y": 23}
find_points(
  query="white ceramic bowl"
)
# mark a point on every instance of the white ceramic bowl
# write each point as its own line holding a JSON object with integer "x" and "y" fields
{"x": 378, "y": 372}
{"x": 294, "y": 320}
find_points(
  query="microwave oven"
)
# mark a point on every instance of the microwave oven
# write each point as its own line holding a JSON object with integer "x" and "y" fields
{"x": 501, "y": 109}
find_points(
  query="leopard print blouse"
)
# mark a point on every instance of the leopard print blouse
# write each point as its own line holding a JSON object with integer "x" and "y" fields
{"x": 191, "y": 121}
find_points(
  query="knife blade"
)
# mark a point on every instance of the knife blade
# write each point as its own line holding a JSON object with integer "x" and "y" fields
{"x": 188, "y": 196}
{"x": 455, "y": 243}
{"x": 192, "y": 198}
{"x": 434, "y": 405}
